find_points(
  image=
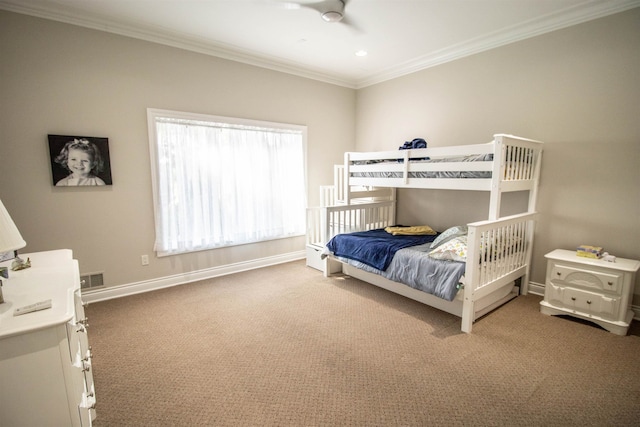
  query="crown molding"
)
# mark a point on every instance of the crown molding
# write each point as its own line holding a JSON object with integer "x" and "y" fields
{"x": 180, "y": 41}
{"x": 568, "y": 17}
{"x": 535, "y": 27}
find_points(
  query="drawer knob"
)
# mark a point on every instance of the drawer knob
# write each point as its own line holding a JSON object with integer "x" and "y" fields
{"x": 558, "y": 273}
{"x": 588, "y": 301}
{"x": 573, "y": 298}
{"x": 610, "y": 283}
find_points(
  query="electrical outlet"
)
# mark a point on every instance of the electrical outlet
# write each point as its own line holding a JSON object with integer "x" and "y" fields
{"x": 145, "y": 259}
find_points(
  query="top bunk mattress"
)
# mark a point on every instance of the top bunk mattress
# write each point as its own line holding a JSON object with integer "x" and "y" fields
{"x": 484, "y": 173}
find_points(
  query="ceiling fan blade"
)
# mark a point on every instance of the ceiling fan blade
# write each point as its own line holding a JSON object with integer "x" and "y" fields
{"x": 293, "y": 5}
{"x": 319, "y": 6}
{"x": 351, "y": 24}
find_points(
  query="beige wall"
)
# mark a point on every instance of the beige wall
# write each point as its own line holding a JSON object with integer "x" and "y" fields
{"x": 62, "y": 79}
{"x": 577, "y": 89}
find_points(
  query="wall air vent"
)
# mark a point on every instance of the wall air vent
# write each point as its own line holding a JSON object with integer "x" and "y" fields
{"x": 92, "y": 280}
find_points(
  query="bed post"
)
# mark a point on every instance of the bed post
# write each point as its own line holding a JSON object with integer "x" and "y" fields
{"x": 345, "y": 179}
{"x": 471, "y": 272}
{"x": 533, "y": 193}
{"x": 467, "y": 316}
{"x": 324, "y": 237}
{"x": 392, "y": 216}
{"x": 533, "y": 197}
{"x": 524, "y": 285}
{"x": 497, "y": 174}
{"x": 327, "y": 267}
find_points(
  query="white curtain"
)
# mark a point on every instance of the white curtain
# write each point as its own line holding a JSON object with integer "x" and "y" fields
{"x": 221, "y": 185}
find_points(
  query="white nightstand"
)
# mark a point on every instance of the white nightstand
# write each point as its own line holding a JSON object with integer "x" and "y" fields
{"x": 591, "y": 289}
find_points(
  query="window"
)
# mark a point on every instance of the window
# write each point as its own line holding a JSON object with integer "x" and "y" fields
{"x": 219, "y": 181}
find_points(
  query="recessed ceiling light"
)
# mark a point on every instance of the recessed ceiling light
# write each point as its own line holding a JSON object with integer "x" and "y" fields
{"x": 361, "y": 53}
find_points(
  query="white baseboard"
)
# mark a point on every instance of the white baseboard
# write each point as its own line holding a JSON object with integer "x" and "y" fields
{"x": 112, "y": 292}
{"x": 538, "y": 289}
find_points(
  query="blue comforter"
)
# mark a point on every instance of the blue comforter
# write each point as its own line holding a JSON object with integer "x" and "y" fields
{"x": 379, "y": 249}
{"x": 414, "y": 267}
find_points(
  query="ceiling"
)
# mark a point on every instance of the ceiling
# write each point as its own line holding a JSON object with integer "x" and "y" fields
{"x": 400, "y": 36}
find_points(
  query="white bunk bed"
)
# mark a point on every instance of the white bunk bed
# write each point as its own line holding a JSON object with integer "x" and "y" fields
{"x": 363, "y": 198}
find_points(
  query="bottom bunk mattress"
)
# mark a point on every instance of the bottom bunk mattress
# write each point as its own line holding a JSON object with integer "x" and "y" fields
{"x": 403, "y": 259}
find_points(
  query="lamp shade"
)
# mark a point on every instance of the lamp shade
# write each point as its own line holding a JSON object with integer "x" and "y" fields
{"x": 10, "y": 238}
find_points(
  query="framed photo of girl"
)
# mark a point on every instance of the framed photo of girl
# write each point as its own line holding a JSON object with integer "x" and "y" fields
{"x": 79, "y": 161}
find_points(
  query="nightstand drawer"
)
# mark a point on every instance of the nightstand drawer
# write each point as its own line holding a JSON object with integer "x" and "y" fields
{"x": 587, "y": 278}
{"x": 584, "y": 302}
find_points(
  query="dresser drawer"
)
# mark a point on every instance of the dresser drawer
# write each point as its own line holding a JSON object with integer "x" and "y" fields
{"x": 586, "y": 278}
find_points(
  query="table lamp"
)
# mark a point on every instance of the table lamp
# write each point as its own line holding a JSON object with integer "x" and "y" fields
{"x": 10, "y": 238}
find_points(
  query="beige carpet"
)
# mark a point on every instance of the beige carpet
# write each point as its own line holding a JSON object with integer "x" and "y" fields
{"x": 284, "y": 346}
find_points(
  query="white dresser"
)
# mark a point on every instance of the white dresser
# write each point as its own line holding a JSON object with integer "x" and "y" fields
{"x": 591, "y": 289}
{"x": 45, "y": 359}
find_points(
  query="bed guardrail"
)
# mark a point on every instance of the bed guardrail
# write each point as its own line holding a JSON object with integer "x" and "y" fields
{"x": 499, "y": 248}
{"x": 498, "y": 252}
{"x": 325, "y": 222}
{"x": 515, "y": 167}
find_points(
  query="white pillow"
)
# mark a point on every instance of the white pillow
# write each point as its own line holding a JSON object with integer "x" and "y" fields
{"x": 455, "y": 249}
{"x": 448, "y": 234}
{"x": 452, "y": 250}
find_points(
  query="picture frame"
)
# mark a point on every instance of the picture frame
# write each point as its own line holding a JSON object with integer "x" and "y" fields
{"x": 79, "y": 161}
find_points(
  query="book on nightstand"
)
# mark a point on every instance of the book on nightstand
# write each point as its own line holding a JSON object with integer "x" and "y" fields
{"x": 589, "y": 251}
